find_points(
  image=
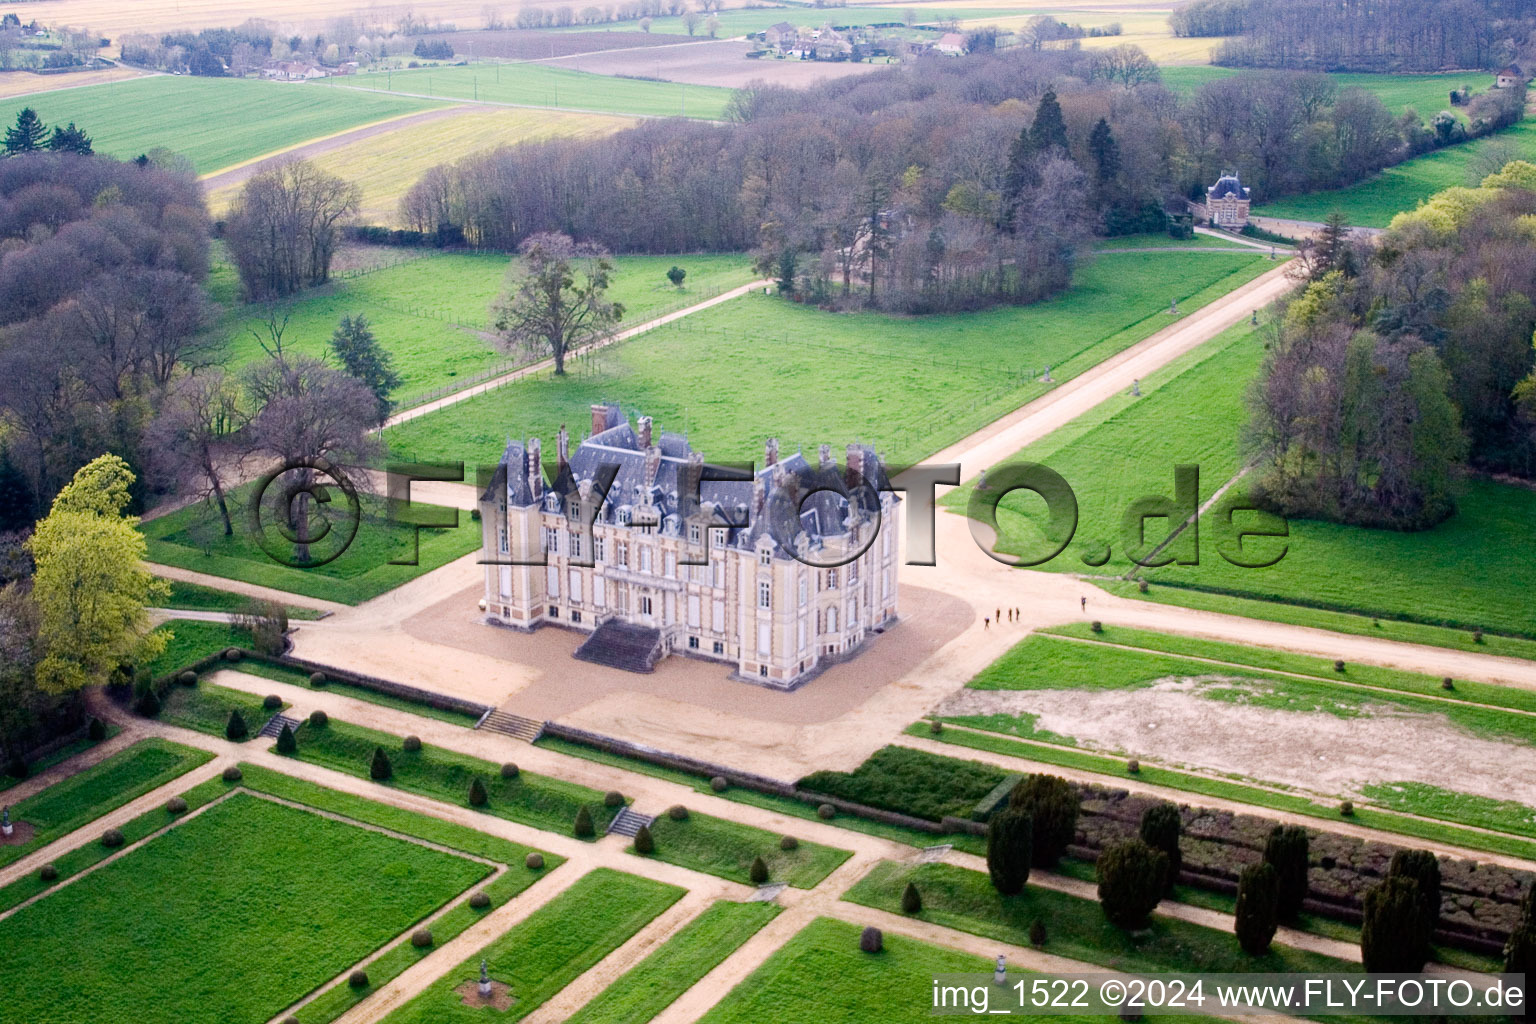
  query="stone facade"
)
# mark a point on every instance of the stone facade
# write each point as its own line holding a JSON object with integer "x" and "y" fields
{"x": 1226, "y": 204}
{"x": 751, "y": 604}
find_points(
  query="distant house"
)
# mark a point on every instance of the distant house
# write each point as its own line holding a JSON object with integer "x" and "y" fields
{"x": 1226, "y": 204}
{"x": 293, "y": 70}
{"x": 951, "y": 44}
{"x": 1509, "y": 77}
{"x": 781, "y": 35}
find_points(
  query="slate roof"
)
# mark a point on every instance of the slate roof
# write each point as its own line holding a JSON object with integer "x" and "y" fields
{"x": 663, "y": 485}
{"x": 1227, "y": 185}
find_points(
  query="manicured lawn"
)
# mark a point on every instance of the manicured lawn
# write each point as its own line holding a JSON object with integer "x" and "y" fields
{"x": 433, "y": 314}
{"x": 548, "y": 949}
{"x": 1075, "y": 927}
{"x": 821, "y": 977}
{"x": 536, "y": 800}
{"x": 195, "y": 116}
{"x": 59, "y": 756}
{"x": 1373, "y": 202}
{"x": 198, "y": 598}
{"x": 1321, "y": 618}
{"x": 76, "y": 801}
{"x": 758, "y": 366}
{"x": 1463, "y": 808}
{"x": 541, "y": 85}
{"x": 243, "y": 907}
{"x": 190, "y": 539}
{"x": 192, "y": 640}
{"x": 343, "y": 995}
{"x": 653, "y": 984}
{"x": 716, "y": 846}
{"x": 206, "y": 708}
{"x": 911, "y": 782}
{"x": 768, "y": 801}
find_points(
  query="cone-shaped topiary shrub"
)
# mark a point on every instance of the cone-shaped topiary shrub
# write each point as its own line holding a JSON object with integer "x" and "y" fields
{"x": 97, "y": 731}
{"x": 1131, "y": 880}
{"x": 380, "y": 770}
{"x": 148, "y": 704}
{"x": 477, "y": 794}
{"x": 235, "y": 728}
{"x": 758, "y": 873}
{"x": 643, "y": 841}
{"x": 1037, "y": 936}
{"x": 911, "y": 899}
{"x": 286, "y": 744}
{"x": 1258, "y": 908}
{"x": 583, "y": 826}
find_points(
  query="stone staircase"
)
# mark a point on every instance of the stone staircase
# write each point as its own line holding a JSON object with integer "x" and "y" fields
{"x": 627, "y": 822}
{"x": 516, "y": 726}
{"x": 275, "y": 725}
{"x": 622, "y": 645}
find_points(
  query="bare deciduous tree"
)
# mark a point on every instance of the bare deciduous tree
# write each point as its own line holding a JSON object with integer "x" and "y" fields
{"x": 559, "y": 299}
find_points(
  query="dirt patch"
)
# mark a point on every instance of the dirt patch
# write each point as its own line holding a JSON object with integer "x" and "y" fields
{"x": 500, "y": 999}
{"x": 21, "y": 832}
{"x": 538, "y": 44}
{"x": 721, "y": 62}
{"x": 1171, "y": 723}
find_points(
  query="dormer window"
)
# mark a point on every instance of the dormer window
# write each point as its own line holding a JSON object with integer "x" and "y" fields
{"x": 765, "y": 556}
{"x": 624, "y": 515}
{"x": 552, "y": 502}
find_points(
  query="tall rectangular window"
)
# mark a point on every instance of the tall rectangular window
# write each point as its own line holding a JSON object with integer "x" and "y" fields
{"x": 765, "y": 594}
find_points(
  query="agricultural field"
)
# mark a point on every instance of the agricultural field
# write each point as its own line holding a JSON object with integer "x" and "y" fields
{"x": 266, "y": 878}
{"x": 713, "y": 62}
{"x": 539, "y": 85}
{"x": 651, "y": 985}
{"x": 1426, "y": 93}
{"x": 548, "y": 949}
{"x": 1375, "y": 201}
{"x": 192, "y": 116}
{"x": 387, "y": 164}
{"x": 760, "y": 366}
{"x": 432, "y": 311}
{"x": 26, "y": 84}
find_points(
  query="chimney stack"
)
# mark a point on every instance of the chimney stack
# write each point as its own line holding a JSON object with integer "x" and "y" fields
{"x": 535, "y": 471}
{"x": 645, "y": 432}
{"x": 564, "y": 447}
{"x": 825, "y": 451}
{"x": 771, "y": 452}
{"x": 855, "y": 463}
{"x": 599, "y": 419}
{"x": 759, "y": 494}
{"x": 652, "y": 460}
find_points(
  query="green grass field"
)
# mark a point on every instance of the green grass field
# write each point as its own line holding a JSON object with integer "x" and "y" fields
{"x": 536, "y": 800}
{"x": 241, "y": 907}
{"x": 196, "y": 597}
{"x": 193, "y": 538}
{"x": 76, "y": 801}
{"x": 1427, "y": 93}
{"x": 433, "y": 313}
{"x": 725, "y": 848}
{"x": 1374, "y": 202}
{"x": 193, "y": 116}
{"x": 206, "y": 708}
{"x": 540, "y": 85}
{"x": 821, "y": 977}
{"x": 192, "y": 640}
{"x": 549, "y": 948}
{"x": 653, "y": 984}
{"x": 760, "y": 366}
{"x": 960, "y": 898}
{"x": 1456, "y": 574}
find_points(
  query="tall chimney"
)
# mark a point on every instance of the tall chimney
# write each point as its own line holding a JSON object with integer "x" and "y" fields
{"x": 855, "y": 462}
{"x": 652, "y": 460}
{"x": 771, "y": 452}
{"x": 825, "y": 451}
{"x": 564, "y": 447}
{"x": 535, "y": 471}
{"x": 759, "y": 493}
{"x": 599, "y": 419}
{"x": 645, "y": 432}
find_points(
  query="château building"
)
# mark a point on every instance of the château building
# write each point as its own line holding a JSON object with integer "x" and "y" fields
{"x": 1226, "y": 204}
{"x": 778, "y": 604}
